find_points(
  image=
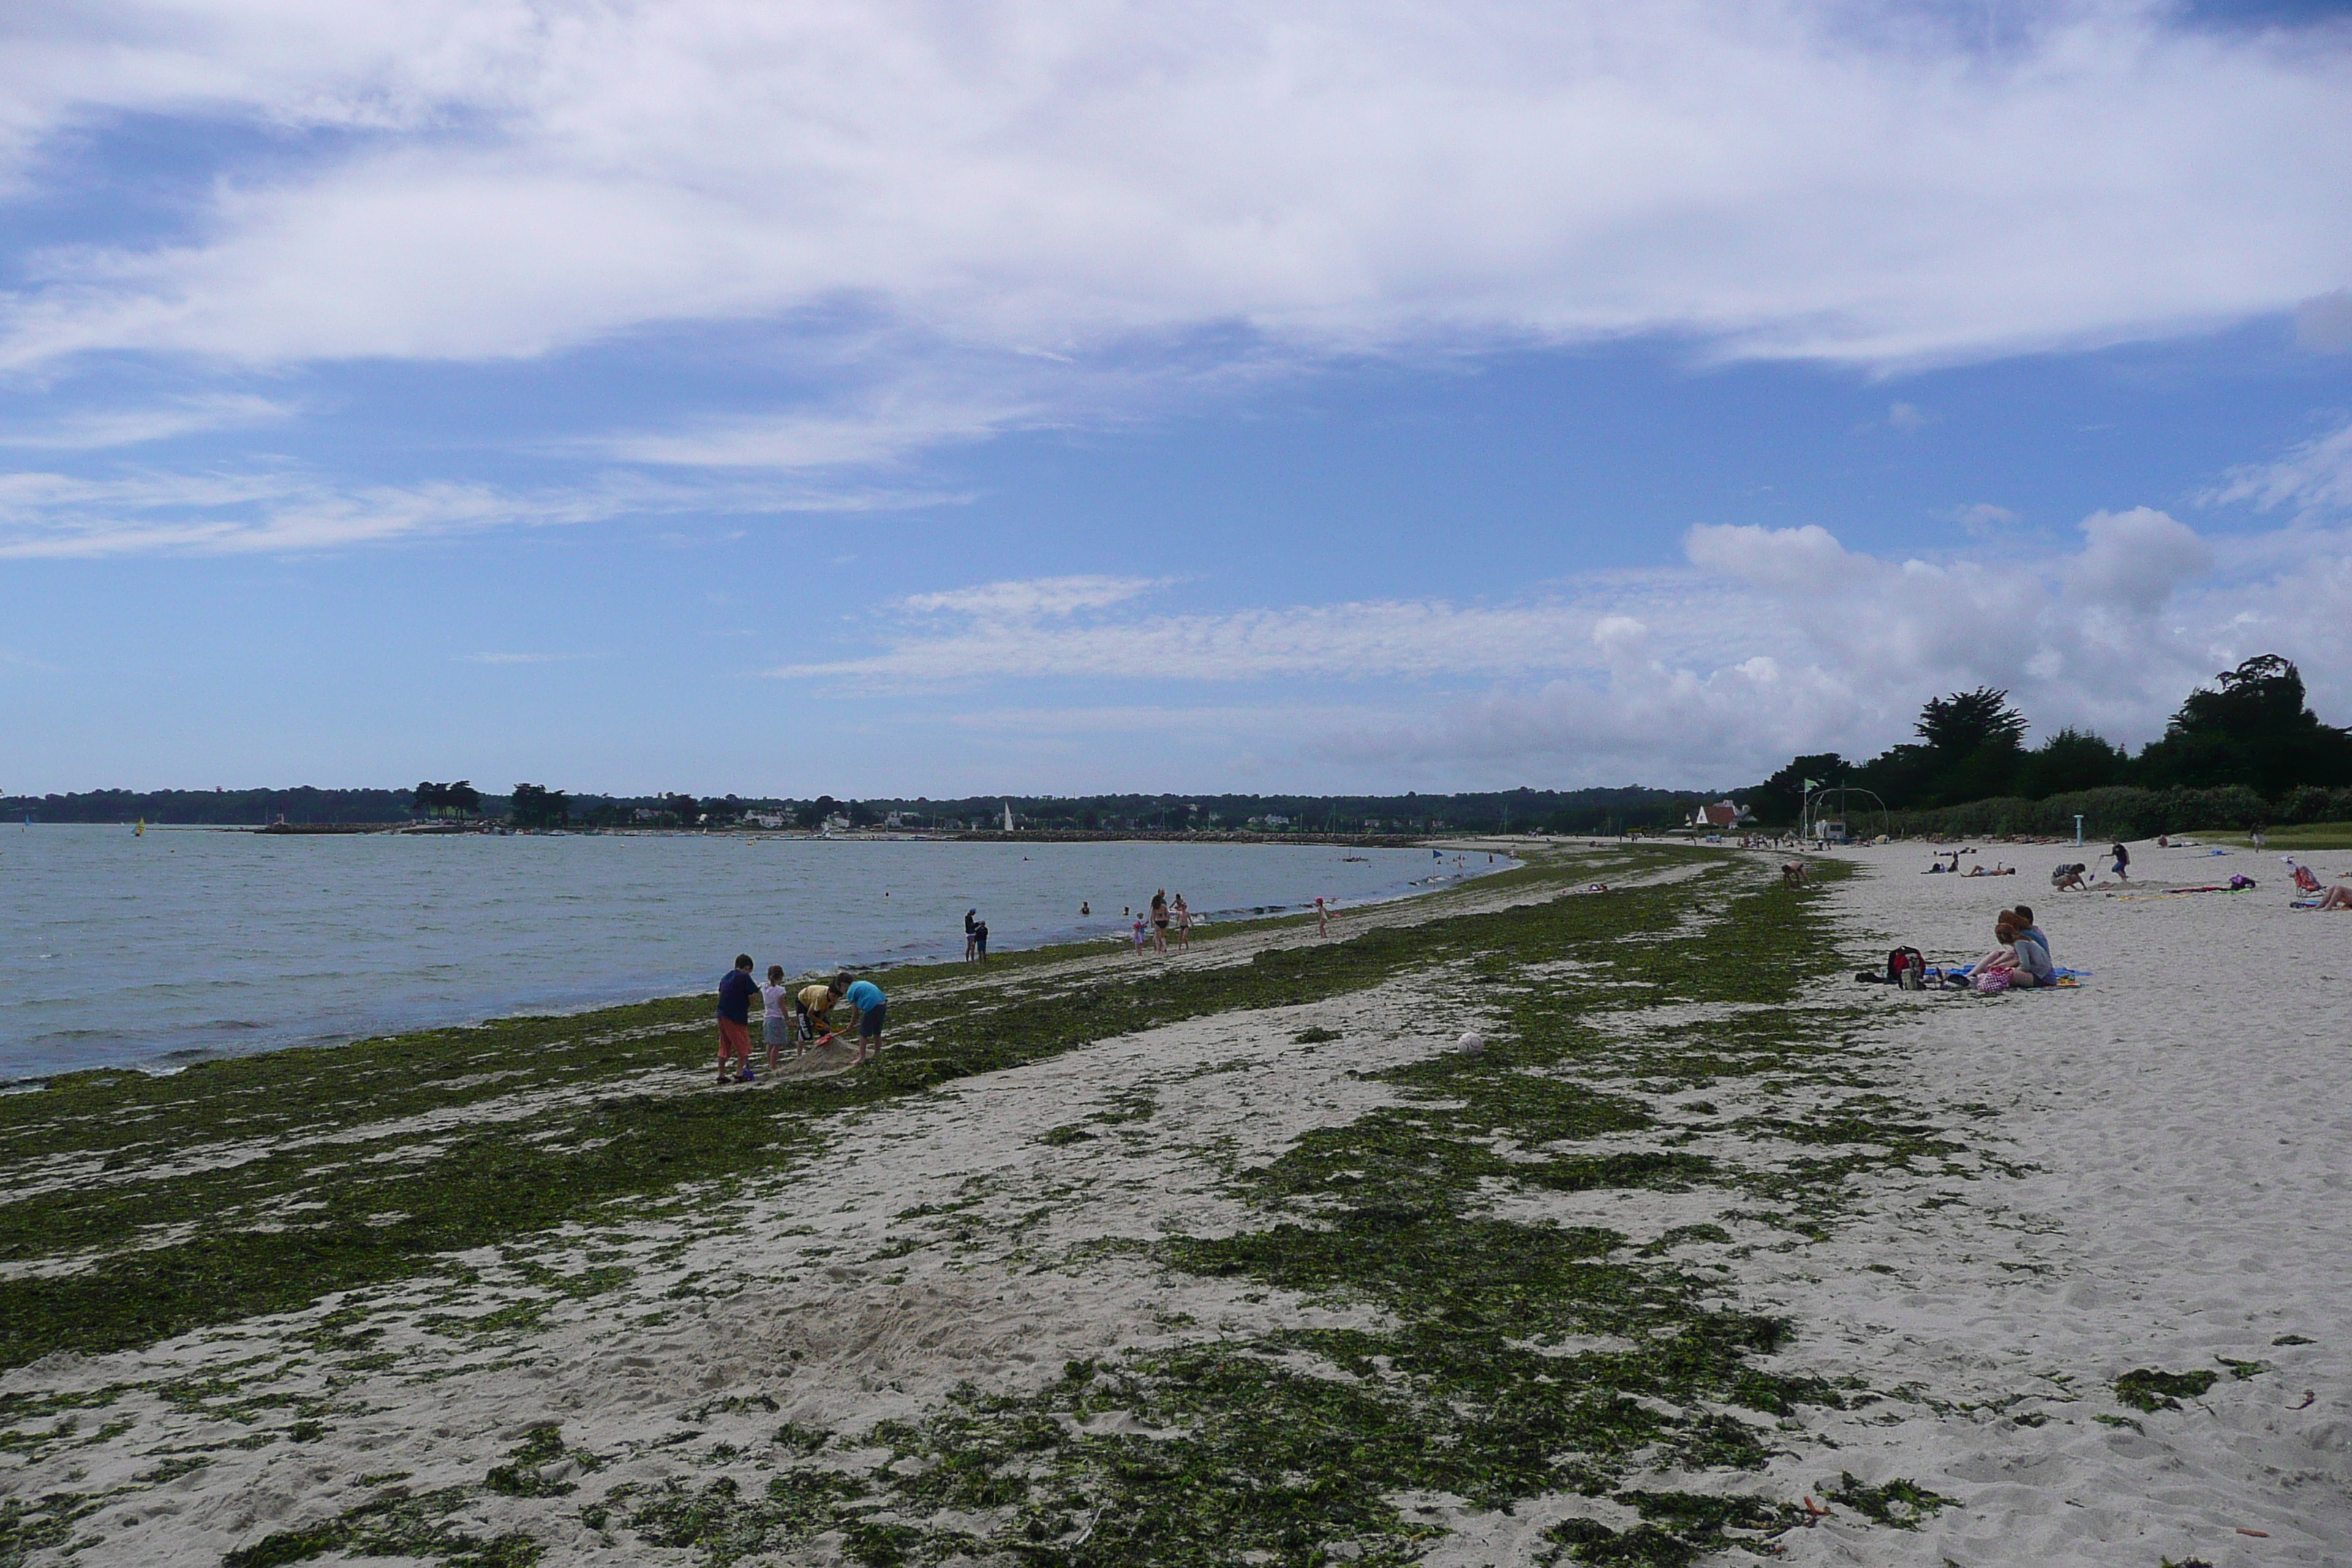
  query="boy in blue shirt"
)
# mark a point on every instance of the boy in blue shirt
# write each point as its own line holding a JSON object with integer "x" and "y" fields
{"x": 735, "y": 993}
{"x": 872, "y": 1010}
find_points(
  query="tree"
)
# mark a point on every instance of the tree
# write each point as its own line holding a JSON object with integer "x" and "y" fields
{"x": 2069, "y": 762}
{"x": 813, "y": 814}
{"x": 536, "y": 806}
{"x": 459, "y": 799}
{"x": 1969, "y": 749}
{"x": 1780, "y": 801}
{"x": 2254, "y": 730}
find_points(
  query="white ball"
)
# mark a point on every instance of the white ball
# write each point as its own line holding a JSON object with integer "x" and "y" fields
{"x": 1469, "y": 1045}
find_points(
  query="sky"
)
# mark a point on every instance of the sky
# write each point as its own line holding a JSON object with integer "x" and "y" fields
{"x": 924, "y": 399}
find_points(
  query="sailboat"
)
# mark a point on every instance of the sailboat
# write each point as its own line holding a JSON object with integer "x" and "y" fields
{"x": 140, "y": 831}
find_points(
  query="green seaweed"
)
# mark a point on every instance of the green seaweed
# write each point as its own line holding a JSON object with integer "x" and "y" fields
{"x": 2150, "y": 1389}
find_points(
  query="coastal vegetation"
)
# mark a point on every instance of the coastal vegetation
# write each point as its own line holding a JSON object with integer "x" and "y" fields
{"x": 2248, "y": 750}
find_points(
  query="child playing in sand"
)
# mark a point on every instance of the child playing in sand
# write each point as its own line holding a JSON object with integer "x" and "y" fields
{"x": 735, "y": 993}
{"x": 812, "y": 1011}
{"x": 773, "y": 1023}
{"x": 873, "y": 1010}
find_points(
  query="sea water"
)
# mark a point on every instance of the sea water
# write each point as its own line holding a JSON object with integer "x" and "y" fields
{"x": 152, "y": 951}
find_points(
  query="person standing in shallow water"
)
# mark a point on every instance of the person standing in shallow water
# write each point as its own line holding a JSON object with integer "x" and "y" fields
{"x": 1159, "y": 921}
{"x": 971, "y": 935}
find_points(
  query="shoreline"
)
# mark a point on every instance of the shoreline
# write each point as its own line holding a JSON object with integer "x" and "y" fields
{"x": 1054, "y": 949}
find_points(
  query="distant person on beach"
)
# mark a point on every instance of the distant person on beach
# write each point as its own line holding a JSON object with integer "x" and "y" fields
{"x": 812, "y": 1011}
{"x": 1322, "y": 917}
{"x": 1137, "y": 934}
{"x": 774, "y": 1022}
{"x": 970, "y": 936}
{"x": 1183, "y": 921}
{"x": 873, "y": 1010}
{"x": 979, "y": 940}
{"x": 2122, "y": 857}
{"x": 735, "y": 993}
{"x": 2069, "y": 879}
{"x": 1159, "y": 921}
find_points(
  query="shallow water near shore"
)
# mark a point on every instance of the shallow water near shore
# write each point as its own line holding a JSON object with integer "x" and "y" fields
{"x": 175, "y": 946}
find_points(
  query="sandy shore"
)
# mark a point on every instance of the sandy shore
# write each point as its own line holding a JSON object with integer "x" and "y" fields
{"x": 2147, "y": 1172}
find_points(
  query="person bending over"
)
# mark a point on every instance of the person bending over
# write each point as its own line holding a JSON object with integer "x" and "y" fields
{"x": 873, "y": 1010}
{"x": 812, "y": 1011}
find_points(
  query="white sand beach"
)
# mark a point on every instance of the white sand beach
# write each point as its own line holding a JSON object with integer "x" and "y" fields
{"x": 2156, "y": 1179}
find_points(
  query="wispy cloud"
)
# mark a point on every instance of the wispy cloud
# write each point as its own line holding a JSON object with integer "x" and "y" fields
{"x": 98, "y": 430}
{"x": 1032, "y": 598}
{"x": 56, "y": 515}
{"x": 2315, "y": 478}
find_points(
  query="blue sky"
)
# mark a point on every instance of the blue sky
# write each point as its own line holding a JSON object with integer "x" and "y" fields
{"x": 911, "y": 398}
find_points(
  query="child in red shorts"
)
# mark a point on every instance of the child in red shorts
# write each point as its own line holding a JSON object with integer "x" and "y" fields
{"x": 735, "y": 994}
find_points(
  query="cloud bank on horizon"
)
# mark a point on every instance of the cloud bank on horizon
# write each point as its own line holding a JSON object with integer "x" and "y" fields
{"x": 698, "y": 261}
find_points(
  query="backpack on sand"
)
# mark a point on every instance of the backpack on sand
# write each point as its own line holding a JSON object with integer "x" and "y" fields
{"x": 1902, "y": 964}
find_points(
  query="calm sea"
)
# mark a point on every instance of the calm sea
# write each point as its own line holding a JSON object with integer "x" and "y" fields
{"x": 154, "y": 952}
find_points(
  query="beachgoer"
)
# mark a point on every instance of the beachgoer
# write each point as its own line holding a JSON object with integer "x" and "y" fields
{"x": 812, "y": 1011}
{"x": 2003, "y": 959}
{"x": 2339, "y": 896}
{"x": 873, "y": 1012}
{"x": 2022, "y": 918}
{"x": 1322, "y": 917}
{"x": 2123, "y": 862}
{"x": 1159, "y": 921}
{"x": 735, "y": 993}
{"x": 1137, "y": 932}
{"x": 971, "y": 941}
{"x": 1183, "y": 918}
{"x": 1084, "y": 909}
{"x": 773, "y": 1023}
{"x": 2162, "y": 842}
{"x": 979, "y": 940}
{"x": 2069, "y": 876}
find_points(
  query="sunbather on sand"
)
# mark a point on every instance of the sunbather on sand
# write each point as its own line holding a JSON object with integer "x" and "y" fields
{"x": 2339, "y": 896}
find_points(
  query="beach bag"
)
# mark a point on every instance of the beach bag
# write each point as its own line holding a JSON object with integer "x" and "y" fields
{"x": 1898, "y": 965}
{"x": 1993, "y": 981}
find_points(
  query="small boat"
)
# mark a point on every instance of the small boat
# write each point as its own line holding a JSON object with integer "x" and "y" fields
{"x": 140, "y": 831}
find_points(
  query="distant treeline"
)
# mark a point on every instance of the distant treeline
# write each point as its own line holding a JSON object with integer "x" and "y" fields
{"x": 537, "y": 805}
{"x": 2247, "y": 751}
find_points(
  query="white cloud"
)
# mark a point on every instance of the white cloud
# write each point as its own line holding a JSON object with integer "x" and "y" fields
{"x": 1774, "y": 641}
{"x": 1048, "y": 179}
{"x": 1907, "y": 418}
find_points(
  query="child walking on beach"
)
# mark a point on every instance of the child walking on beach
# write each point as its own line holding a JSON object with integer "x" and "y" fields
{"x": 735, "y": 993}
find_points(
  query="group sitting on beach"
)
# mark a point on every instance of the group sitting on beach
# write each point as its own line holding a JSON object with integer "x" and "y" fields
{"x": 2021, "y": 956}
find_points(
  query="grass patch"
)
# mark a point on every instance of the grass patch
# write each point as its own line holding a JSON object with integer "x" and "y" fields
{"x": 2146, "y": 1388}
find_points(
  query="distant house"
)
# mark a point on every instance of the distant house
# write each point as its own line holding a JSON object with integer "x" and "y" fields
{"x": 837, "y": 823}
{"x": 1721, "y": 815}
{"x": 648, "y": 814}
{"x": 764, "y": 819}
{"x": 896, "y": 819}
